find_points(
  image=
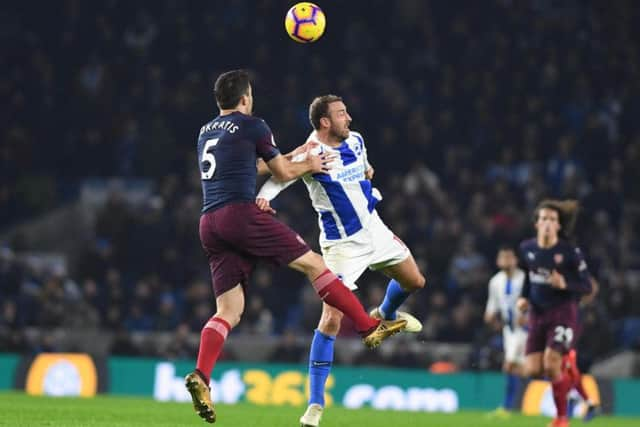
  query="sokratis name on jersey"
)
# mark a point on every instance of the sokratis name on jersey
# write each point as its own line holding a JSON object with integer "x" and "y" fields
{"x": 220, "y": 125}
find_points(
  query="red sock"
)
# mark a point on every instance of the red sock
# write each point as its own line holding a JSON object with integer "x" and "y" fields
{"x": 560, "y": 389}
{"x": 577, "y": 384}
{"x": 336, "y": 294}
{"x": 212, "y": 339}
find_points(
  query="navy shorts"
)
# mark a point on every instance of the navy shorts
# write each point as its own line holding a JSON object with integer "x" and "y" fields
{"x": 238, "y": 235}
{"x": 555, "y": 327}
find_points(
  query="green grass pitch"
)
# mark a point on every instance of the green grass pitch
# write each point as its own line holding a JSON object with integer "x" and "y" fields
{"x": 20, "y": 410}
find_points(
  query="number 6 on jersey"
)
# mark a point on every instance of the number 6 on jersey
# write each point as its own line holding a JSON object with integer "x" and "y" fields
{"x": 209, "y": 158}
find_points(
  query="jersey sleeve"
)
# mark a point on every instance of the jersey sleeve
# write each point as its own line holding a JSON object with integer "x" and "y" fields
{"x": 526, "y": 284}
{"x": 266, "y": 147}
{"x": 272, "y": 188}
{"x": 493, "y": 305}
{"x": 581, "y": 281}
{"x": 363, "y": 147}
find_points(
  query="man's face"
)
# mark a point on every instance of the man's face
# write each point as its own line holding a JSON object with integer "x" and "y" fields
{"x": 339, "y": 119}
{"x": 547, "y": 223}
{"x": 506, "y": 260}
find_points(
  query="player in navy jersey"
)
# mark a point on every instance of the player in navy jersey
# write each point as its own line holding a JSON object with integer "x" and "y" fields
{"x": 556, "y": 278}
{"x": 235, "y": 233}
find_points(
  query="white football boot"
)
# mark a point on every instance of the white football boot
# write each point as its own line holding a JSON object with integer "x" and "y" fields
{"x": 312, "y": 415}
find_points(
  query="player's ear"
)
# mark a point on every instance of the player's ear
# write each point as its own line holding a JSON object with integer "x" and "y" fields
{"x": 325, "y": 121}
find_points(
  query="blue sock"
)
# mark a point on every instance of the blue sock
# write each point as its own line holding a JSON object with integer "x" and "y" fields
{"x": 320, "y": 360}
{"x": 393, "y": 299}
{"x": 511, "y": 388}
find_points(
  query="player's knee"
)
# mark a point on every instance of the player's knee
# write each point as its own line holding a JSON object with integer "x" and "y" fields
{"x": 330, "y": 322}
{"x": 419, "y": 282}
{"x": 312, "y": 264}
{"x": 231, "y": 317}
{"x": 549, "y": 372}
{"x": 533, "y": 370}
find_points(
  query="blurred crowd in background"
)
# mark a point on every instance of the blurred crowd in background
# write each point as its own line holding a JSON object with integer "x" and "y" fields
{"x": 472, "y": 112}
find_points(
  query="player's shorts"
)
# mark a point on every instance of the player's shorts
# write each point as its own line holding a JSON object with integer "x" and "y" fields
{"x": 555, "y": 328}
{"x": 237, "y": 235}
{"x": 374, "y": 247}
{"x": 514, "y": 342}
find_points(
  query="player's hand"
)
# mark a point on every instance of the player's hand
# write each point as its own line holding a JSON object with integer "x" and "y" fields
{"x": 303, "y": 148}
{"x": 319, "y": 163}
{"x": 264, "y": 206}
{"x": 523, "y": 320}
{"x": 368, "y": 174}
{"x": 557, "y": 280}
{"x": 522, "y": 304}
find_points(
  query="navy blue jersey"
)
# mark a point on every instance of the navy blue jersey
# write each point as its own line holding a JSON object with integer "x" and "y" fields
{"x": 539, "y": 263}
{"x": 228, "y": 149}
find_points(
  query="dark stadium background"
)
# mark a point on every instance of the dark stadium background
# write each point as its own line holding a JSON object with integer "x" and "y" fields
{"x": 472, "y": 112}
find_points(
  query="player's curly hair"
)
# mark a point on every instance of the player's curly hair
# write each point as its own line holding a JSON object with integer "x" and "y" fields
{"x": 230, "y": 87}
{"x": 567, "y": 213}
{"x": 319, "y": 108}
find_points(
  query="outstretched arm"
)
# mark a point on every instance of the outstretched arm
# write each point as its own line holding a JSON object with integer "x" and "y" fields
{"x": 272, "y": 188}
{"x": 297, "y": 153}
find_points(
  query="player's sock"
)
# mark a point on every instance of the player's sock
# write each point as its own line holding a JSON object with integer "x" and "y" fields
{"x": 320, "y": 360}
{"x": 511, "y": 388}
{"x": 212, "y": 339}
{"x": 335, "y": 293}
{"x": 393, "y": 298}
{"x": 560, "y": 389}
{"x": 577, "y": 384}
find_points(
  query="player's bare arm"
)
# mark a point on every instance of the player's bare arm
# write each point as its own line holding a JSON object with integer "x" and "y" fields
{"x": 493, "y": 321}
{"x": 369, "y": 173}
{"x": 557, "y": 280}
{"x": 263, "y": 169}
{"x": 286, "y": 170}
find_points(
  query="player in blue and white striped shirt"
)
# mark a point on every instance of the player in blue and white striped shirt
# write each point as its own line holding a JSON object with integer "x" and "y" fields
{"x": 353, "y": 237}
{"x": 504, "y": 290}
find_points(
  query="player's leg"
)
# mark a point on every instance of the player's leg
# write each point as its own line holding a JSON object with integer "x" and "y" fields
{"x": 514, "y": 341}
{"x": 560, "y": 385}
{"x": 336, "y": 294}
{"x": 320, "y": 362}
{"x": 561, "y": 321}
{"x": 230, "y": 306}
{"x": 393, "y": 258}
{"x": 533, "y": 366}
{"x": 535, "y": 344}
{"x": 261, "y": 235}
{"x": 405, "y": 279}
{"x": 229, "y": 270}
{"x": 512, "y": 373}
{"x": 570, "y": 364}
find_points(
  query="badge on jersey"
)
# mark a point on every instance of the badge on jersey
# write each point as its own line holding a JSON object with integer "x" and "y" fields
{"x": 558, "y": 258}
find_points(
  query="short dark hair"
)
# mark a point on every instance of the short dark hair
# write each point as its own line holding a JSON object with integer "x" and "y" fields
{"x": 320, "y": 107}
{"x": 508, "y": 247}
{"x": 230, "y": 87}
{"x": 567, "y": 214}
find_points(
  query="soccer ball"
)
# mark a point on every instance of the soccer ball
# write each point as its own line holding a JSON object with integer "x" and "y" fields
{"x": 305, "y": 22}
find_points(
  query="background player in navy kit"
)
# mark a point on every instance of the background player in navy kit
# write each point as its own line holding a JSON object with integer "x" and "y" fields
{"x": 556, "y": 277}
{"x": 235, "y": 233}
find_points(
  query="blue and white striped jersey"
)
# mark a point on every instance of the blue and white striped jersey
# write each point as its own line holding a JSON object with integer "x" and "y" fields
{"x": 344, "y": 199}
{"x": 504, "y": 291}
